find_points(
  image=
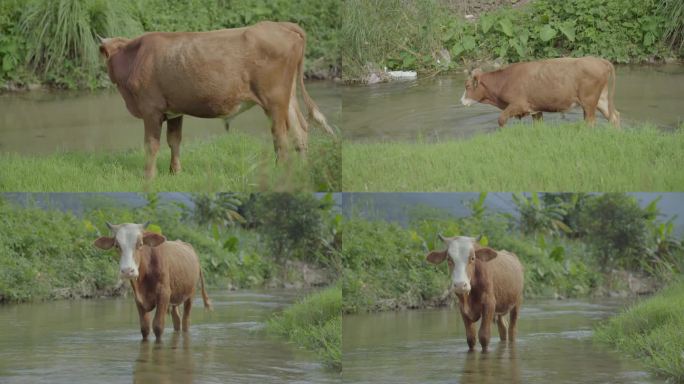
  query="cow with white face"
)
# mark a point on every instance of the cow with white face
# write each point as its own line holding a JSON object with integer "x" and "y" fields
{"x": 162, "y": 274}
{"x": 487, "y": 283}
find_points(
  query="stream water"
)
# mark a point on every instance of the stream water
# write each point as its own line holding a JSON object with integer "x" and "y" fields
{"x": 428, "y": 346}
{"x": 88, "y": 341}
{"x": 45, "y": 122}
{"x": 430, "y": 108}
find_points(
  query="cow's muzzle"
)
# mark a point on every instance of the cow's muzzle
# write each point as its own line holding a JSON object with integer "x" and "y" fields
{"x": 128, "y": 273}
{"x": 461, "y": 288}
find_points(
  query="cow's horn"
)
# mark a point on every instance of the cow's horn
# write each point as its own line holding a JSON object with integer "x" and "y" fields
{"x": 109, "y": 225}
{"x": 144, "y": 226}
{"x": 102, "y": 39}
{"x": 441, "y": 237}
{"x": 479, "y": 237}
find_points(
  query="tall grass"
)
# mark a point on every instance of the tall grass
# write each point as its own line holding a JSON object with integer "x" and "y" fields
{"x": 235, "y": 162}
{"x": 542, "y": 157}
{"x": 62, "y": 31}
{"x": 651, "y": 331}
{"x": 673, "y": 12}
{"x": 314, "y": 323}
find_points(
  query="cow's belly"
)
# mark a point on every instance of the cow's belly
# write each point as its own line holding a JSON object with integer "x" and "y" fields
{"x": 226, "y": 112}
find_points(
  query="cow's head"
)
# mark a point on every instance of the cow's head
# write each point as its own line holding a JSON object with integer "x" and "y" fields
{"x": 474, "y": 91}
{"x": 109, "y": 47}
{"x": 461, "y": 254}
{"x": 128, "y": 239}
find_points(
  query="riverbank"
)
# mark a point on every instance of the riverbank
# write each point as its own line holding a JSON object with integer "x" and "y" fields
{"x": 314, "y": 323}
{"x": 651, "y": 330}
{"x": 442, "y": 36}
{"x": 542, "y": 157}
{"x": 236, "y": 162}
{"x": 54, "y": 44}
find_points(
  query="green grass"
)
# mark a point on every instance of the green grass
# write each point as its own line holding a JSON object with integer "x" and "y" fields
{"x": 234, "y": 162}
{"x": 314, "y": 323}
{"x": 651, "y": 331}
{"x": 542, "y": 157}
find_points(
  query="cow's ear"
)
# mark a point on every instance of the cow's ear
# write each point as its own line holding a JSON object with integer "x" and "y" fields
{"x": 477, "y": 72}
{"x": 485, "y": 253}
{"x": 436, "y": 257}
{"x": 111, "y": 46}
{"x": 153, "y": 239}
{"x": 104, "y": 242}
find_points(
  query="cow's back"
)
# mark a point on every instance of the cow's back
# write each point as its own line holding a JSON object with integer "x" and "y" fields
{"x": 506, "y": 273}
{"x": 183, "y": 268}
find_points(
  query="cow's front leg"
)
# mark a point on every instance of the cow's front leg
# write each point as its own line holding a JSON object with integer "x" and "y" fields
{"x": 152, "y": 136}
{"x": 144, "y": 321}
{"x": 486, "y": 325}
{"x": 470, "y": 331}
{"x": 160, "y": 316}
{"x": 174, "y": 135}
{"x": 510, "y": 111}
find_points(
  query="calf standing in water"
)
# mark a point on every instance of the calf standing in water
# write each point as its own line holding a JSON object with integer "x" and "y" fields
{"x": 488, "y": 284}
{"x": 162, "y": 274}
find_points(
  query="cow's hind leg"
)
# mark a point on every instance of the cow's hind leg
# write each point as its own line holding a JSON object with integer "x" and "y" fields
{"x": 174, "y": 135}
{"x": 279, "y": 131}
{"x": 604, "y": 107}
{"x": 537, "y": 117}
{"x": 176, "y": 318}
{"x": 589, "y": 106}
{"x": 152, "y": 136}
{"x": 294, "y": 121}
{"x": 187, "y": 306}
{"x": 512, "y": 328}
{"x": 503, "y": 327}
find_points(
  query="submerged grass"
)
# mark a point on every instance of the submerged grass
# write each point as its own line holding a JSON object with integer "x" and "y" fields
{"x": 541, "y": 157}
{"x": 652, "y": 331}
{"x": 235, "y": 162}
{"x": 314, "y": 323}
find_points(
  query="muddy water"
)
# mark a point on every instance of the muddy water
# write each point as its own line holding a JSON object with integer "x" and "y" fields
{"x": 428, "y": 346}
{"x": 45, "y": 122}
{"x": 88, "y": 341}
{"x": 430, "y": 108}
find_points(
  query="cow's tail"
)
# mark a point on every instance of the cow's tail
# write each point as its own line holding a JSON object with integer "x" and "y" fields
{"x": 614, "y": 114}
{"x": 315, "y": 114}
{"x": 205, "y": 298}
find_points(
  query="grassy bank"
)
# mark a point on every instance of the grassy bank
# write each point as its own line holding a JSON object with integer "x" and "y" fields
{"x": 543, "y": 157}
{"x": 433, "y": 35}
{"x": 314, "y": 323}
{"x": 55, "y": 42}
{"x": 49, "y": 254}
{"x": 234, "y": 162}
{"x": 651, "y": 331}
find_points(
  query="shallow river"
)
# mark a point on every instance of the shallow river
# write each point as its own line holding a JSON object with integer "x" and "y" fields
{"x": 430, "y": 108}
{"x": 98, "y": 341}
{"x": 45, "y": 122}
{"x": 428, "y": 346}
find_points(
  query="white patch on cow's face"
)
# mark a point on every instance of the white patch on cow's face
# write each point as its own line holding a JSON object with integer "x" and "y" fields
{"x": 460, "y": 251}
{"x": 128, "y": 240}
{"x": 467, "y": 101}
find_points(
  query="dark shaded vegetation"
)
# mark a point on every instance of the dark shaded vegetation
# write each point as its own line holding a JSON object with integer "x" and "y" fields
{"x": 568, "y": 243}
{"x": 432, "y": 36}
{"x": 55, "y": 42}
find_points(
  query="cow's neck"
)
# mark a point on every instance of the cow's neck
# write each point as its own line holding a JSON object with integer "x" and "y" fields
{"x": 492, "y": 85}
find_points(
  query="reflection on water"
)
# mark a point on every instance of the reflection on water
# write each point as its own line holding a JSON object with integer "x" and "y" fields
{"x": 86, "y": 341}
{"x": 428, "y": 346}
{"x": 45, "y": 122}
{"x": 430, "y": 108}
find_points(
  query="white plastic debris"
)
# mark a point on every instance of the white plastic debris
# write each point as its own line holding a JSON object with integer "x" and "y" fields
{"x": 402, "y": 75}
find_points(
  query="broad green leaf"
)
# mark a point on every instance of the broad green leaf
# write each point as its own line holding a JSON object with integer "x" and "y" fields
{"x": 506, "y": 27}
{"x": 568, "y": 29}
{"x": 468, "y": 43}
{"x": 547, "y": 33}
{"x": 558, "y": 254}
{"x": 484, "y": 241}
{"x": 154, "y": 228}
{"x": 486, "y": 22}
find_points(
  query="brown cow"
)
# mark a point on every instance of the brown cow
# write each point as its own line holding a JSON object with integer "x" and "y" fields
{"x": 163, "y": 76}
{"x": 554, "y": 85}
{"x": 488, "y": 284}
{"x": 161, "y": 272}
